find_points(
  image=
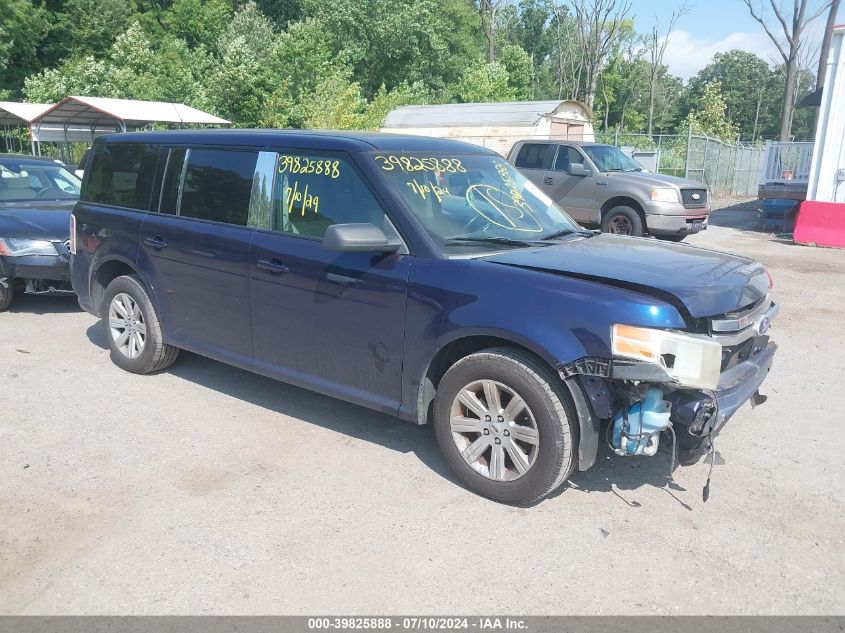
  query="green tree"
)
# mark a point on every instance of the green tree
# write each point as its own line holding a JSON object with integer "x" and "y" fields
{"x": 747, "y": 86}
{"x": 23, "y": 27}
{"x": 482, "y": 82}
{"x": 710, "y": 117}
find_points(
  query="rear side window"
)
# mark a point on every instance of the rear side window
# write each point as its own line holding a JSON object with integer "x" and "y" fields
{"x": 532, "y": 155}
{"x": 312, "y": 192}
{"x": 121, "y": 175}
{"x": 217, "y": 185}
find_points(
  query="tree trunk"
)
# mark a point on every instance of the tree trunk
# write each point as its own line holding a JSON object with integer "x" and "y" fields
{"x": 651, "y": 106}
{"x": 788, "y": 98}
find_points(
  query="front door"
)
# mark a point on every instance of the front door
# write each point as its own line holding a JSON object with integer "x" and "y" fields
{"x": 575, "y": 193}
{"x": 329, "y": 321}
{"x": 196, "y": 251}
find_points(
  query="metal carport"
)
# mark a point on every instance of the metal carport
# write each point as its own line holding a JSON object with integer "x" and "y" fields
{"x": 83, "y": 118}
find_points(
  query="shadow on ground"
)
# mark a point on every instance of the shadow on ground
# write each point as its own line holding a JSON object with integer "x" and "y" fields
{"x": 609, "y": 474}
{"x": 743, "y": 216}
{"x": 43, "y": 304}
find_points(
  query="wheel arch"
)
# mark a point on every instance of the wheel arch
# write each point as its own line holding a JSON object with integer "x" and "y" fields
{"x": 623, "y": 201}
{"x": 459, "y": 347}
{"x": 109, "y": 268}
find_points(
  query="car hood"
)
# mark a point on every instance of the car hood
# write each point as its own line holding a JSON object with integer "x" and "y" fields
{"x": 704, "y": 282}
{"x": 653, "y": 180}
{"x": 43, "y": 223}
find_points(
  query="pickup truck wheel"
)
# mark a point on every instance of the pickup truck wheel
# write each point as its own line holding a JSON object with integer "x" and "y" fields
{"x": 132, "y": 328}
{"x": 6, "y": 295}
{"x": 504, "y": 424}
{"x": 671, "y": 238}
{"x": 622, "y": 221}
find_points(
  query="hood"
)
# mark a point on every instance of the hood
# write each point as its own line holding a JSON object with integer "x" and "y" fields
{"x": 654, "y": 180}
{"x": 704, "y": 282}
{"x": 37, "y": 224}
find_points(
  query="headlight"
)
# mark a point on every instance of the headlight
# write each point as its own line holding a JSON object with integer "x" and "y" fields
{"x": 665, "y": 194}
{"x": 17, "y": 247}
{"x": 692, "y": 360}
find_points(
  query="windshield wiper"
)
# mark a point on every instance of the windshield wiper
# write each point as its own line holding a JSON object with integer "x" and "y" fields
{"x": 504, "y": 241}
{"x": 565, "y": 232}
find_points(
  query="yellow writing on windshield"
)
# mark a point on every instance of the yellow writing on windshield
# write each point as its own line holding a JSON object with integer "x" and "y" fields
{"x": 423, "y": 189}
{"x": 300, "y": 200}
{"x": 305, "y": 165}
{"x": 410, "y": 164}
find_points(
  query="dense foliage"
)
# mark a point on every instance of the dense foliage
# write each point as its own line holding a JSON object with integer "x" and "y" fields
{"x": 346, "y": 63}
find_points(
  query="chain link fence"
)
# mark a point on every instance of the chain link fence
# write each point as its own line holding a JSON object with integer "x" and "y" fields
{"x": 728, "y": 169}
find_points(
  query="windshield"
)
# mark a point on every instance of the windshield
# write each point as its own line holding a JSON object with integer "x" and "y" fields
{"x": 610, "y": 158}
{"x": 36, "y": 180}
{"x": 474, "y": 201}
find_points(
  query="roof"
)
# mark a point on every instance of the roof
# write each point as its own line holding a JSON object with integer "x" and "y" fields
{"x": 513, "y": 113}
{"x": 94, "y": 111}
{"x": 305, "y": 139}
{"x": 14, "y": 113}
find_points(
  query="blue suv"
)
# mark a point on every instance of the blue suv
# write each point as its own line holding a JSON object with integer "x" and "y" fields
{"x": 423, "y": 278}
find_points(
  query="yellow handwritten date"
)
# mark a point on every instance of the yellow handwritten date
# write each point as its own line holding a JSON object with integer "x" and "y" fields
{"x": 410, "y": 164}
{"x": 304, "y": 165}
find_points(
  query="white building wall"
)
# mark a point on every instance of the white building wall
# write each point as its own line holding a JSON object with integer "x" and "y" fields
{"x": 827, "y": 173}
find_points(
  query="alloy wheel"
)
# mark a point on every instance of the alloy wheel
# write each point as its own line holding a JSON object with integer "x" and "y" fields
{"x": 126, "y": 325}
{"x": 620, "y": 225}
{"x": 494, "y": 430}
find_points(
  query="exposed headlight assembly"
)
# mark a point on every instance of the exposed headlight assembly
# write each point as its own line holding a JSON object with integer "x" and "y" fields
{"x": 690, "y": 359}
{"x": 665, "y": 194}
{"x": 18, "y": 247}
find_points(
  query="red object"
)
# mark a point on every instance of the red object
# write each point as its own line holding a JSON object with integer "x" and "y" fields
{"x": 821, "y": 224}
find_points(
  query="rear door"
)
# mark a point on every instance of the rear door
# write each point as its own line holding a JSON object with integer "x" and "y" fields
{"x": 533, "y": 160}
{"x": 576, "y": 194}
{"x": 195, "y": 248}
{"x": 334, "y": 322}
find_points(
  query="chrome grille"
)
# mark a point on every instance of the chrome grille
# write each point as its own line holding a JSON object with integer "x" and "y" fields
{"x": 694, "y": 197}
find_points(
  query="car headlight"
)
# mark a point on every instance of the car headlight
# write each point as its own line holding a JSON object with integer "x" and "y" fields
{"x": 665, "y": 194}
{"x": 17, "y": 247}
{"x": 692, "y": 360}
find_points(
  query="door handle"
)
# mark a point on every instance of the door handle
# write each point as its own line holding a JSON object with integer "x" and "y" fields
{"x": 548, "y": 180}
{"x": 155, "y": 241}
{"x": 273, "y": 266}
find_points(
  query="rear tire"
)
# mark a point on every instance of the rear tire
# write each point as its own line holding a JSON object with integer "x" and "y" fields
{"x": 133, "y": 330}
{"x": 622, "y": 221}
{"x": 523, "y": 454}
{"x": 7, "y": 293}
{"x": 671, "y": 238}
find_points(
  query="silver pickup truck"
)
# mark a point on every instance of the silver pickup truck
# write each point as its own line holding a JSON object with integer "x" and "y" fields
{"x": 600, "y": 185}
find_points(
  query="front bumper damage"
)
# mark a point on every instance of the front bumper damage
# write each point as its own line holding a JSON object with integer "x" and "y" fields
{"x": 38, "y": 274}
{"x": 608, "y": 386}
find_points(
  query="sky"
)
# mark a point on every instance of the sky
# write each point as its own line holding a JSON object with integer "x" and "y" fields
{"x": 715, "y": 26}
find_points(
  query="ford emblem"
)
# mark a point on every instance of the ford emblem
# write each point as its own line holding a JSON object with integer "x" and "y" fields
{"x": 696, "y": 196}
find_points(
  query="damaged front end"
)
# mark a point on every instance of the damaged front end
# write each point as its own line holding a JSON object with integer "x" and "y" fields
{"x": 686, "y": 385}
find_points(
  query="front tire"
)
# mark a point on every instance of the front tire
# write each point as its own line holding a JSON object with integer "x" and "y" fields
{"x": 671, "y": 238}
{"x": 622, "y": 221}
{"x": 133, "y": 329}
{"x": 504, "y": 424}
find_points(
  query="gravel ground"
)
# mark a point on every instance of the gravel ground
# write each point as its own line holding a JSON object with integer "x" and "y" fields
{"x": 206, "y": 489}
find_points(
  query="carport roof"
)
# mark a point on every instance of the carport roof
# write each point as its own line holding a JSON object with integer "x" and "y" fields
{"x": 94, "y": 112}
{"x": 512, "y": 113}
{"x": 14, "y": 113}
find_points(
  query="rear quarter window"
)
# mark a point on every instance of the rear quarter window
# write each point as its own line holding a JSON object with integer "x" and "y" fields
{"x": 121, "y": 175}
{"x": 532, "y": 155}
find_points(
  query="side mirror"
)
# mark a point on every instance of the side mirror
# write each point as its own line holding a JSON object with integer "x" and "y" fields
{"x": 359, "y": 238}
{"x": 578, "y": 169}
